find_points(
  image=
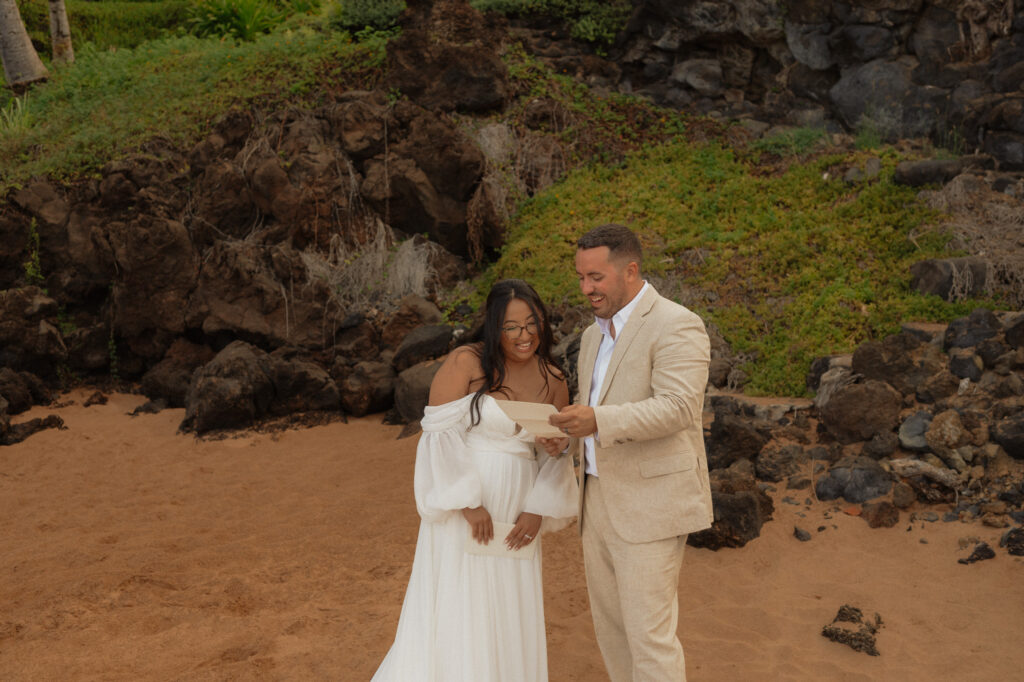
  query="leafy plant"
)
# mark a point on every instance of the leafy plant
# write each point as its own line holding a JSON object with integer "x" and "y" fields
{"x": 33, "y": 267}
{"x": 790, "y": 143}
{"x": 359, "y": 14}
{"x": 241, "y": 19}
{"x": 15, "y": 118}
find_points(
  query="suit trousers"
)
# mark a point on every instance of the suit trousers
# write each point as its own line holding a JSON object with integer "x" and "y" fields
{"x": 634, "y": 598}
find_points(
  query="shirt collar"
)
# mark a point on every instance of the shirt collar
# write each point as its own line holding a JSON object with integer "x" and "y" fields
{"x": 620, "y": 318}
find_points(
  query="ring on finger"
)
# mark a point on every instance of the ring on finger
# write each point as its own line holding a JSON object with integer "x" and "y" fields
{"x": 528, "y": 536}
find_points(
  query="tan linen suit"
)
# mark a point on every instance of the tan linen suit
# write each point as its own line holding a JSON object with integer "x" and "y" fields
{"x": 652, "y": 487}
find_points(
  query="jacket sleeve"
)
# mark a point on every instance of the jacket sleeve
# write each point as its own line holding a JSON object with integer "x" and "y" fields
{"x": 445, "y": 480}
{"x": 679, "y": 375}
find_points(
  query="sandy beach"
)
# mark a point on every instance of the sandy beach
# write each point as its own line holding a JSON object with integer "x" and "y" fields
{"x": 129, "y": 551}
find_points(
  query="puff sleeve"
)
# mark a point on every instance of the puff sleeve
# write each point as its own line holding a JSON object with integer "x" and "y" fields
{"x": 445, "y": 480}
{"x": 555, "y": 492}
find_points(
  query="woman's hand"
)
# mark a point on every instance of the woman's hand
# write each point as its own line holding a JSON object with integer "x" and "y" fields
{"x": 480, "y": 521}
{"x": 553, "y": 446}
{"x": 525, "y": 531}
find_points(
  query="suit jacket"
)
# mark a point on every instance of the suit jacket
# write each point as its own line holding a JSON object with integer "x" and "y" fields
{"x": 650, "y": 437}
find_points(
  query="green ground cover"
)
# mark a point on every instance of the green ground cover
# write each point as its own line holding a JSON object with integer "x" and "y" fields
{"x": 110, "y": 101}
{"x": 797, "y": 264}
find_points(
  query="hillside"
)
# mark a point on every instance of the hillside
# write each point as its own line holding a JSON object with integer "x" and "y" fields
{"x": 795, "y": 243}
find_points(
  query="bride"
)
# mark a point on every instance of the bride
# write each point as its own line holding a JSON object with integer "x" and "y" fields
{"x": 469, "y": 617}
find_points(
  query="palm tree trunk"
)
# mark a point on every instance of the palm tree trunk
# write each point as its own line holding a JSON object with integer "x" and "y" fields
{"x": 21, "y": 63}
{"x": 60, "y": 33}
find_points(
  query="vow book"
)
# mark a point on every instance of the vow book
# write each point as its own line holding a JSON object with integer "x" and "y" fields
{"x": 497, "y": 547}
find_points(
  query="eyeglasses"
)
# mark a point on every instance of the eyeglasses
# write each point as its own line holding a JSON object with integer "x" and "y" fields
{"x": 512, "y": 331}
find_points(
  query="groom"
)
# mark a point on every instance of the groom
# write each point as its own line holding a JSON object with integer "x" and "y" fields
{"x": 643, "y": 367}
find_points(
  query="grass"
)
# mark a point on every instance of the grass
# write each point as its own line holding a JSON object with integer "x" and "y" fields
{"x": 106, "y": 23}
{"x": 109, "y": 102}
{"x": 796, "y": 266}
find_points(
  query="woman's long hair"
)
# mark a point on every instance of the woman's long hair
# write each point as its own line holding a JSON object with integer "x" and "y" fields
{"x": 488, "y": 337}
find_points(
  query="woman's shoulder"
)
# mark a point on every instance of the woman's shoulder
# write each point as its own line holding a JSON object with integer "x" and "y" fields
{"x": 466, "y": 357}
{"x": 555, "y": 371}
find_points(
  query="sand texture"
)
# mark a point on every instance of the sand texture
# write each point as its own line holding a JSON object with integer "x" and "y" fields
{"x": 131, "y": 552}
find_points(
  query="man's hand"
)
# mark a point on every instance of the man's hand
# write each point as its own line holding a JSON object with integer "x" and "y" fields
{"x": 480, "y": 520}
{"x": 553, "y": 446}
{"x": 577, "y": 421}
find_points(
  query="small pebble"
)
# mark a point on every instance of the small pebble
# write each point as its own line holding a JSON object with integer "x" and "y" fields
{"x": 800, "y": 534}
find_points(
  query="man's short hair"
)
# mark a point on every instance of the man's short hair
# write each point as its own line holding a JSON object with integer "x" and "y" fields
{"x": 621, "y": 242}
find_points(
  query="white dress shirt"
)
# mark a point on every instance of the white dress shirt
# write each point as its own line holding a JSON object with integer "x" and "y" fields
{"x": 604, "y": 355}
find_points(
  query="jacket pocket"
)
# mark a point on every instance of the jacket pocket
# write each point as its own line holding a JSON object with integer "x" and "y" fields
{"x": 665, "y": 465}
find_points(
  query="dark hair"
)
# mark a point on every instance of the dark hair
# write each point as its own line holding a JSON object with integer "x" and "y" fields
{"x": 619, "y": 239}
{"x": 492, "y": 358}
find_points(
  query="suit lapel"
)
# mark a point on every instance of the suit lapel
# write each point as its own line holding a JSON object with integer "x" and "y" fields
{"x": 585, "y": 364}
{"x": 625, "y": 338}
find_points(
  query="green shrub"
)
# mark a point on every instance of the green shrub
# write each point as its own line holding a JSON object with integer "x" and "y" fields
{"x": 791, "y": 142}
{"x": 241, "y": 19}
{"x": 354, "y": 15}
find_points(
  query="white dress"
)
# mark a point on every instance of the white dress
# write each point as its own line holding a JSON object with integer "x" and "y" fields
{"x": 466, "y": 617}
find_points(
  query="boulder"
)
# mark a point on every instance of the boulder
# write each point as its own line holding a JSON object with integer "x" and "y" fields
{"x": 881, "y": 514}
{"x": 169, "y": 379}
{"x": 936, "y": 387}
{"x": 965, "y": 364}
{"x": 29, "y": 335}
{"x": 934, "y": 33}
{"x": 858, "y": 411}
{"x": 776, "y": 462}
{"x": 882, "y": 444}
{"x": 965, "y": 332}
{"x": 368, "y": 388}
{"x": 412, "y": 390}
{"x": 422, "y": 343}
{"x": 857, "y": 479}
{"x": 733, "y": 438}
{"x": 413, "y": 311}
{"x": 809, "y": 44}
{"x": 1014, "y": 330}
{"x": 855, "y": 44}
{"x": 360, "y": 124}
{"x": 702, "y": 75}
{"x": 15, "y": 391}
{"x": 912, "y": 432}
{"x": 950, "y": 278}
{"x": 881, "y": 94}
{"x": 740, "y": 508}
{"x": 945, "y": 435}
{"x": 157, "y": 268}
{"x": 299, "y": 384}
{"x": 446, "y": 58}
{"x": 230, "y": 391}
{"x": 262, "y": 293}
{"x": 1009, "y": 433}
{"x": 889, "y": 360}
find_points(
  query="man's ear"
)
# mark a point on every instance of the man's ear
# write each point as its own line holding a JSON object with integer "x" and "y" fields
{"x": 632, "y": 271}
